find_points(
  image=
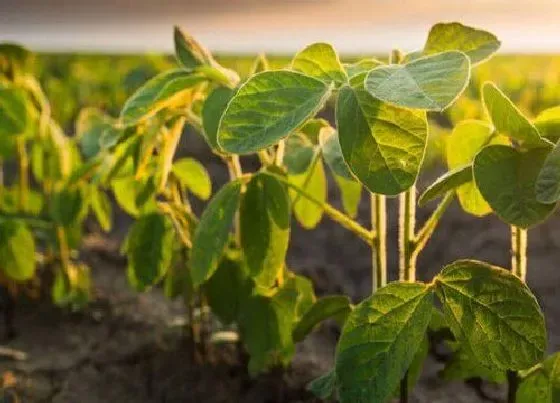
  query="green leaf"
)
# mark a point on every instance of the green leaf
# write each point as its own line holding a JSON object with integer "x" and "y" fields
{"x": 333, "y": 156}
{"x": 324, "y": 386}
{"x": 194, "y": 177}
{"x": 379, "y": 341}
{"x": 321, "y": 61}
{"x": 299, "y": 154}
{"x": 189, "y": 53}
{"x": 507, "y": 180}
{"x": 477, "y": 44}
{"x": 264, "y": 219}
{"x": 464, "y": 366}
{"x": 383, "y": 145}
{"x": 13, "y": 111}
{"x": 260, "y": 64}
{"x": 542, "y": 384}
{"x": 509, "y": 120}
{"x": 465, "y": 141}
{"x": 14, "y": 59}
{"x": 333, "y": 306}
{"x": 158, "y": 93}
{"x": 267, "y": 108}
{"x": 313, "y": 182}
{"x": 430, "y": 83}
{"x": 90, "y": 126}
{"x": 101, "y": 207}
{"x": 548, "y": 123}
{"x": 361, "y": 66}
{"x": 212, "y": 112}
{"x": 133, "y": 196}
{"x": 493, "y": 314}
{"x": 68, "y": 206}
{"x": 212, "y": 232}
{"x": 548, "y": 181}
{"x": 17, "y": 250}
{"x": 227, "y": 289}
{"x": 446, "y": 183}
{"x": 149, "y": 250}
{"x": 351, "y": 194}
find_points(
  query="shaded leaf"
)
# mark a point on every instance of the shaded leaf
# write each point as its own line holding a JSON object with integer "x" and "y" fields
{"x": 13, "y": 111}
{"x": 542, "y": 384}
{"x": 212, "y": 112}
{"x": 68, "y": 206}
{"x": 333, "y": 306}
{"x": 313, "y": 182}
{"x": 101, "y": 207}
{"x": 446, "y": 183}
{"x": 324, "y": 386}
{"x": 493, "y": 314}
{"x": 548, "y": 181}
{"x": 299, "y": 154}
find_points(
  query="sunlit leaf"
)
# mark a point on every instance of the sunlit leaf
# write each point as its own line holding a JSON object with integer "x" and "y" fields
{"x": 447, "y": 182}
{"x": 17, "y": 250}
{"x": 194, "y": 177}
{"x": 321, "y": 61}
{"x": 548, "y": 181}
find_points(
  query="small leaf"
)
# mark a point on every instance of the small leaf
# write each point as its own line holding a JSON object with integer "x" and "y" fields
{"x": 313, "y": 182}
{"x": 68, "y": 206}
{"x": 465, "y": 141}
{"x": 333, "y": 156}
{"x": 267, "y": 108}
{"x": 17, "y": 250}
{"x": 321, "y": 61}
{"x": 194, "y": 177}
{"x": 333, "y": 306}
{"x": 13, "y": 111}
{"x": 265, "y": 228}
{"x": 324, "y": 386}
{"x": 446, "y": 183}
{"x": 260, "y": 64}
{"x": 212, "y": 232}
{"x": 509, "y": 120}
{"x": 157, "y": 94}
{"x": 149, "y": 250}
{"x": 299, "y": 154}
{"x": 548, "y": 123}
{"x": 212, "y": 112}
{"x": 477, "y": 44}
{"x": 189, "y": 53}
{"x": 542, "y": 384}
{"x": 507, "y": 180}
{"x": 133, "y": 196}
{"x": 379, "y": 341}
{"x": 101, "y": 207}
{"x": 90, "y": 126}
{"x": 548, "y": 181}
{"x": 361, "y": 66}
{"x": 382, "y": 145}
{"x": 492, "y": 314}
{"x": 170, "y": 142}
{"x": 351, "y": 194}
{"x": 430, "y": 83}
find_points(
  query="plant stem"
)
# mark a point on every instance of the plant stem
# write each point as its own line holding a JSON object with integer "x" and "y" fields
{"x": 63, "y": 249}
{"x": 335, "y": 215}
{"x": 23, "y": 174}
{"x": 407, "y": 220}
{"x": 403, "y": 397}
{"x": 280, "y": 152}
{"x": 519, "y": 252}
{"x": 513, "y": 383}
{"x": 378, "y": 206}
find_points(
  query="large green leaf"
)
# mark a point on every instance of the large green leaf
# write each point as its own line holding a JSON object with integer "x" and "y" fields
{"x": 332, "y": 306}
{"x": 477, "y": 44}
{"x": 267, "y": 108}
{"x": 379, "y": 341}
{"x": 465, "y": 141}
{"x": 383, "y": 145}
{"x": 149, "y": 250}
{"x": 548, "y": 181}
{"x": 212, "y": 232}
{"x": 13, "y": 111}
{"x": 446, "y": 183}
{"x": 321, "y": 61}
{"x": 548, "y": 123}
{"x": 212, "y": 111}
{"x": 17, "y": 250}
{"x": 508, "y": 119}
{"x": 157, "y": 94}
{"x": 542, "y": 384}
{"x": 431, "y": 83}
{"x": 313, "y": 182}
{"x": 189, "y": 53}
{"x": 493, "y": 314}
{"x": 265, "y": 227}
{"x": 507, "y": 180}
{"x": 194, "y": 177}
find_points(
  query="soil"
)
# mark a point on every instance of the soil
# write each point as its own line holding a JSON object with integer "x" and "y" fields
{"x": 127, "y": 347}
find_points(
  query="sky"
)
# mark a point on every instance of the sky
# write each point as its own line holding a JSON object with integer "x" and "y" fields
{"x": 273, "y": 26}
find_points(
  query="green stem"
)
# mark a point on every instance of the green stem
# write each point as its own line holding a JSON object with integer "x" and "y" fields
{"x": 235, "y": 172}
{"x": 378, "y": 206}
{"x": 407, "y": 220}
{"x": 280, "y": 150}
{"x": 334, "y": 214}
{"x": 23, "y": 161}
{"x": 64, "y": 251}
{"x": 519, "y": 252}
{"x": 431, "y": 224}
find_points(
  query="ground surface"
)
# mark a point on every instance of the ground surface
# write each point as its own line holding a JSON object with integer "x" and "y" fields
{"x": 125, "y": 348}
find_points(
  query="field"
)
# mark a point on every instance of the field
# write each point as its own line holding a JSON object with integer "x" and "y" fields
{"x": 111, "y": 316}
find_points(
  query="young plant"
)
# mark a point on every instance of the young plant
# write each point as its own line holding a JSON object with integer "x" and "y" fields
{"x": 43, "y": 210}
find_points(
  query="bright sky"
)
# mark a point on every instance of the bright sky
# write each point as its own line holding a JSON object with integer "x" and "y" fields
{"x": 248, "y": 26}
